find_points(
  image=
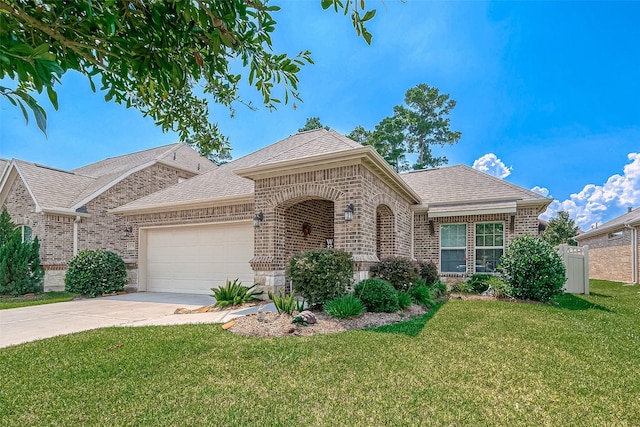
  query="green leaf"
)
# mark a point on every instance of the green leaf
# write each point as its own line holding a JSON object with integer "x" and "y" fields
{"x": 41, "y": 118}
{"x": 369, "y": 15}
{"x": 326, "y": 4}
{"x": 53, "y": 97}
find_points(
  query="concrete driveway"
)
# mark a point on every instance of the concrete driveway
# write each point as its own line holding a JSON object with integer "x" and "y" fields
{"x": 19, "y": 325}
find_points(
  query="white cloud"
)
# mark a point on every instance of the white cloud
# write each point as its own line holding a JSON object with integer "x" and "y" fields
{"x": 594, "y": 202}
{"x": 491, "y": 164}
{"x": 541, "y": 191}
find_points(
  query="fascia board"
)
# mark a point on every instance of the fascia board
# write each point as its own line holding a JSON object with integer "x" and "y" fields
{"x": 65, "y": 212}
{"x": 192, "y": 204}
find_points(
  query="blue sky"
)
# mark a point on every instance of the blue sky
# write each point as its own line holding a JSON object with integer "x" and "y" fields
{"x": 547, "y": 94}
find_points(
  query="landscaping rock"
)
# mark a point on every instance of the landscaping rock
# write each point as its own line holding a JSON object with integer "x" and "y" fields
{"x": 308, "y": 316}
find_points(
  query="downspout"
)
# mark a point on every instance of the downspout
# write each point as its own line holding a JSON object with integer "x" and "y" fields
{"x": 75, "y": 235}
{"x": 634, "y": 253}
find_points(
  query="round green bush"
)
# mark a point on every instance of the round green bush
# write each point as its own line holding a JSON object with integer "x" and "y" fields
{"x": 95, "y": 272}
{"x": 321, "y": 275}
{"x": 533, "y": 269}
{"x": 377, "y": 295}
{"x": 400, "y": 272}
{"x": 344, "y": 307}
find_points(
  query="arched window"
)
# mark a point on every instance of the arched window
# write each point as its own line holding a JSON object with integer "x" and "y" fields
{"x": 26, "y": 233}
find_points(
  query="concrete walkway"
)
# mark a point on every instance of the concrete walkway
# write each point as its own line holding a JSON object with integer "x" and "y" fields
{"x": 20, "y": 325}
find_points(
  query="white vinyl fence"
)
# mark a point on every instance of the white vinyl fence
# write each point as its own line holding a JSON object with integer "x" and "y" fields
{"x": 576, "y": 262}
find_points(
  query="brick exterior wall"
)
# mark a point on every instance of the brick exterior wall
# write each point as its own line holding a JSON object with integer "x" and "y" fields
{"x": 102, "y": 230}
{"x": 610, "y": 258}
{"x": 427, "y": 233}
{"x": 320, "y": 198}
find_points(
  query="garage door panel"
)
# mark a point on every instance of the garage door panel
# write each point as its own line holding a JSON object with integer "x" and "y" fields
{"x": 195, "y": 259}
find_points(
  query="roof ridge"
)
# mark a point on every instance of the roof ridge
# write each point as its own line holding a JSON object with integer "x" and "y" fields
{"x": 131, "y": 154}
{"x": 173, "y": 147}
{"x": 277, "y": 154}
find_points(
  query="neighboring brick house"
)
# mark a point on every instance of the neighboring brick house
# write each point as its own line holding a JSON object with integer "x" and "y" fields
{"x": 69, "y": 210}
{"x": 614, "y": 250}
{"x": 315, "y": 189}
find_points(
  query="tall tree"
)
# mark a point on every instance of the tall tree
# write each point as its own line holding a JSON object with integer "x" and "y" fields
{"x": 561, "y": 230}
{"x": 427, "y": 123}
{"x": 389, "y": 140}
{"x": 413, "y": 128}
{"x": 313, "y": 123}
{"x": 156, "y": 56}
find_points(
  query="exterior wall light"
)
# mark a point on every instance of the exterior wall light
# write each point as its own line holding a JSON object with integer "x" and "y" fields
{"x": 348, "y": 212}
{"x": 258, "y": 219}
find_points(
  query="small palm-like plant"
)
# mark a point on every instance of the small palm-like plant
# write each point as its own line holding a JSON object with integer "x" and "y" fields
{"x": 234, "y": 293}
{"x": 344, "y": 307}
{"x": 286, "y": 303}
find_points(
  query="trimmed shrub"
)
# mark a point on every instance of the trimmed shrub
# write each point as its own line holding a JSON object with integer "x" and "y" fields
{"x": 20, "y": 269}
{"x": 377, "y": 295}
{"x": 404, "y": 300}
{"x": 428, "y": 272}
{"x": 344, "y": 307}
{"x": 321, "y": 275}
{"x": 422, "y": 295}
{"x": 400, "y": 272}
{"x": 532, "y": 268}
{"x": 95, "y": 272}
{"x": 478, "y": 283}
{"x": 234, "y": 293}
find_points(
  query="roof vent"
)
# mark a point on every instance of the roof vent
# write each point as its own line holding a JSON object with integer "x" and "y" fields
{"x": 82, "y": 209}
{"x": 174, "y": 155}
{"x": 629, "y": 209}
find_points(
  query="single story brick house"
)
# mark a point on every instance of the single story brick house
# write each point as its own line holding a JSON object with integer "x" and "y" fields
{"x": 70, "y": 210}
{"x": 183, "y": 224}
{"x": 614, "y": 249}
{"x": 315, "y": 189}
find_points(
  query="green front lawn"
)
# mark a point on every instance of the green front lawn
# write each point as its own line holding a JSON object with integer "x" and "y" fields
{"x": 37, "y": 299}
{"x": 468, "y": 363}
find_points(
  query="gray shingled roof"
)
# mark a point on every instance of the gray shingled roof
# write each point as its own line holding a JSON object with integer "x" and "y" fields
{"x": 52, "y": 188}
{"x": 223, "y": 182}
{"x": 461, "y": 186}
{"x": 3, "y": 164}
{"x": 631, "y": 218}
{"x": 55, "y": 189}
{"x": 458, "y": 188}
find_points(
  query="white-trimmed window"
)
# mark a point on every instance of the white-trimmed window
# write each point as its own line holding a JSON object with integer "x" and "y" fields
{"x": 26, "y": 233}
{"x": 616, "y": 234}
{"x": 489, "y": 246}
{"x": 453, "y": 248}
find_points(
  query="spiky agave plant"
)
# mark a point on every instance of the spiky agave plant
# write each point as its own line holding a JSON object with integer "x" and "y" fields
{"x": 234, "y": 293}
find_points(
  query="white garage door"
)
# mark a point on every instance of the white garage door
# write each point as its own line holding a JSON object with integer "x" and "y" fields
{"x": 194, "y": 259}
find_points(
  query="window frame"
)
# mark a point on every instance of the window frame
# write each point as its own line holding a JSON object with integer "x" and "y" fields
{"x": 456, "y": 248}
{"x": 484, "y": 247}
{"x": 22, "y": 228}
